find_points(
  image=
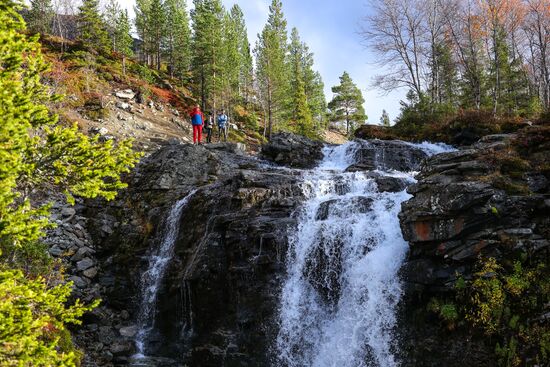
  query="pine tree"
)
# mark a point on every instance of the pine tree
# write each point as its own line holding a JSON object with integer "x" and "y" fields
{"x": 238, "y": 60}
{"x": 37, "y": 154}
{"x": 177, "y": 38}
{"x": 91, "y": 26}
{"x": 314, "y": 88}
{"x": 347, "y": 104}
{"x": 246, "y": 71}
{"x": 207, "y": 45}
{"x": 272, "y": 73}
{"x": 125, "y": 40}
{"x": 112, "y": 18}
{"x": 157, "y": 20}
{"x": 143, "y": 23}
{"x": 41, "y": 16}
{"x": 299, "y": 119}
{"x": 385, "y": 119}
{"x": 231, "y": 62}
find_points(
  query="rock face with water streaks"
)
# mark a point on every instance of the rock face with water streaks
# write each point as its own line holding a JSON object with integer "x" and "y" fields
{"x": 220, "y": 289}
{"x": 293, "y": 151}
{"x": 218, "y": 300}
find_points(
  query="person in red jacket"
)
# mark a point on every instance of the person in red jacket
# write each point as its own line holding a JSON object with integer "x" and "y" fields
{"x": 197, "y": 119}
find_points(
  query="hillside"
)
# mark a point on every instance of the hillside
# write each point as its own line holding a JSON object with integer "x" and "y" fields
{"x": 145, "y": 105}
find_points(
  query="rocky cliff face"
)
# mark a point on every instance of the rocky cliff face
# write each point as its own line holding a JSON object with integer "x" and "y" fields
{"x": 220, "y": 289}
{"x": 218, "y": 299}
{"x": 478, "y": 202}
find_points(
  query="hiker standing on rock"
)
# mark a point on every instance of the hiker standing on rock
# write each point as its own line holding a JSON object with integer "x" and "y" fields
{"x": 222, "y": 125}
{"x": 209, "y": 126}
{"x": 197, "y": 120}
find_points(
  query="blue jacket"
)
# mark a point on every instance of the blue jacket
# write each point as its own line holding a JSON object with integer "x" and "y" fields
{"x": 196, "y": 119}
{"x": 222, "y": 120}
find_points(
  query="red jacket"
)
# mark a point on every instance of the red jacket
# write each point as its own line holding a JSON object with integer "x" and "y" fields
{"x": 196, "y": 112}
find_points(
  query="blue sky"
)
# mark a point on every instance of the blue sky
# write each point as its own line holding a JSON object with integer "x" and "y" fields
{"x": 330, "y": 29}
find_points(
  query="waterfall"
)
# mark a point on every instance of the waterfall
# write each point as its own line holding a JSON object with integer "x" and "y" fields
{"x": 152, "y": 278}
{"x": 338, "y": 302}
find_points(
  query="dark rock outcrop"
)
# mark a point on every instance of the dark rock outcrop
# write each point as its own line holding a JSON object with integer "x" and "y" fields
{"x": 293, "y": 151}
{"x": 218, "y": 297}
{"x": 387, "y": 155}
{"x": 460, "y": 212}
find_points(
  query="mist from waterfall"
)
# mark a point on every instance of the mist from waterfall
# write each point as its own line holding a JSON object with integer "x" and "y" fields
{"x": 338, "y": 302}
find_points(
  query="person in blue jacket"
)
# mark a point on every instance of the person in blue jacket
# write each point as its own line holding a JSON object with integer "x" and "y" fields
{"x": 197, "y": 120}
{"x": 222, "y": 125}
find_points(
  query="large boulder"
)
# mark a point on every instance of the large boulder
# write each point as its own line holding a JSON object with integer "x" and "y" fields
{"x": 387, "y": 155}
{"x": 293, "y": 151}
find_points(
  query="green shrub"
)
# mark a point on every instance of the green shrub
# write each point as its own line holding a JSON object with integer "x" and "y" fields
{"x": 143, "y": 72}
{"x": 32, "y": 322}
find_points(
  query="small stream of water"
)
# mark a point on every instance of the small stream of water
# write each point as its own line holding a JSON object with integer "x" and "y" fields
{"x": 152, "y": 278}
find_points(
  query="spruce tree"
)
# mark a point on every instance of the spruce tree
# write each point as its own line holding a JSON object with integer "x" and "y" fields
{"x": 347, "y": 104}
{"x": 41, "y": 16}
{"x": 177, "y": 38}
{"x": 91, "y": 26}
{"x": 272, "y": 72}
{"x": 125, "y": 40}
{"x": 385, "y": 119}
{"x": 37, "y": 155}
{"x": 207, "y": 45}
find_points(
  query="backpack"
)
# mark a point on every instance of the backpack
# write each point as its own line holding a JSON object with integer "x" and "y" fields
{"x": 222, "y": 120}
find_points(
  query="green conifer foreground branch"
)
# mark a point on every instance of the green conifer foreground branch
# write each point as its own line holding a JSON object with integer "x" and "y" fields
{"x": 38, "y": 154}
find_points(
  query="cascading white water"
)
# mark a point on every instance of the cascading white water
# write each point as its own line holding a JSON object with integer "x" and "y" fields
{"x": 338, "y": 303}
{"x": 153, "y": 276}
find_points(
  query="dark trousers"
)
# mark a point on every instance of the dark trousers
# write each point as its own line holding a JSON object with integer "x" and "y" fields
{"x": 208, "y": 134}
{"x": 222, "y": 131}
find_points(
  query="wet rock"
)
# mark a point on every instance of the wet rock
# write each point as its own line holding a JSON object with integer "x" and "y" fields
{"x": 390, "y": 184}
{"x": 323, "y": 211}
{"x": 121, "y": 348}
{"x": 387, "y": 155}
{"x": 128, "y": 331}
{"x": 293, "y": 151}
